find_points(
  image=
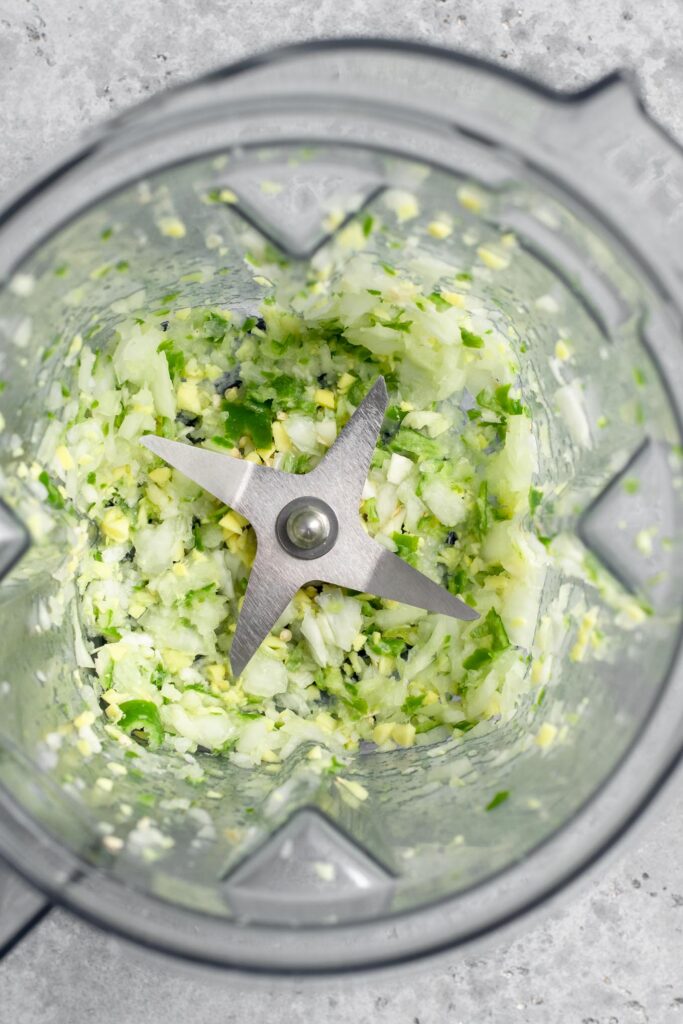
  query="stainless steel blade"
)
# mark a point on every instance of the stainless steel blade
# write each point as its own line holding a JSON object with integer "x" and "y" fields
{"x": 367, "y": 566}
{"x": 344, "y": 469}
{"x": 355, "y": 560}
{"x": 224, "y": 477}
{"x": 268, "y": 593}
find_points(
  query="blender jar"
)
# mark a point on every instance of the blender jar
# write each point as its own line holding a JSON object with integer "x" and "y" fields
{"x": 173, "y": 202}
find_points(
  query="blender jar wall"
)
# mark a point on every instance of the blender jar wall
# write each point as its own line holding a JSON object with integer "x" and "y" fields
{"x": 418, "y": 793}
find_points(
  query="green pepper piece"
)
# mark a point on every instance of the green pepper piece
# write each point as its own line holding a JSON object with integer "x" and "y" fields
{"x": 481, "y": 518}
{"x": 437, "y": 299}
{"x": 471, "y": 340}
{"x": 288, "y": 391}
{"x": 535, "y": 498}
{"x": 426, "y": 725}
{"x": 215, "y": 327}
{"x": 511, "y": 406}
{"x": 251, "y": 420}
{"x": 357, "y": 392}
{"x": 492, "y": 628}
{"x": 411, "y": 442}
{"x": 54, "y": 498}
{"x": 369, "y": 510}
{"x": 368, "y": 224}
{"x": 142, "y": 716}
{"x": 411, "y": 704}
{"x": 459, "y": 582}
{"x": 477, "y": 659}
{"x": 406, "y": 545}
{"x": 498, "y": 799}
{"x": 386, "y": 645}
{"x": 174, "y": 358}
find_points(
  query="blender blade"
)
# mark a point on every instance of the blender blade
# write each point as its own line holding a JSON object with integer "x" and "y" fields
{"x": 308, "y": 518}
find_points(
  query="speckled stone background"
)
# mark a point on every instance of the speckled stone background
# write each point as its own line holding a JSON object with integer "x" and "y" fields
{"x": 611, "y": 952}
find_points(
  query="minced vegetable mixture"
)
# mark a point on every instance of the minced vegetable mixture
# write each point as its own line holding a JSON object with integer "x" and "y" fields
{"x": 451, "y": 490}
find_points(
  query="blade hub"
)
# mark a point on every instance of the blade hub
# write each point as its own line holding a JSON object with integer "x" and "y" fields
{"x": 307, "y": 528}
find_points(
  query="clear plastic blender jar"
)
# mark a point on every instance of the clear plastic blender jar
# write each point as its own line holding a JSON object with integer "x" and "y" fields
{"x": 415, "y": 859}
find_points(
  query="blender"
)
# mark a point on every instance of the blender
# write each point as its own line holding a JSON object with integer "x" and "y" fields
{"x": 409, "y": 852}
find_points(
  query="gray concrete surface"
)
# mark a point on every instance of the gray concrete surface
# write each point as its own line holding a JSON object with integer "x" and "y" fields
{"x": 611, "y": 952}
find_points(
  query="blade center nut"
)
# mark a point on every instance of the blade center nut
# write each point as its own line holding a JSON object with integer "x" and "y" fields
{"x": 307, "y": 528}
